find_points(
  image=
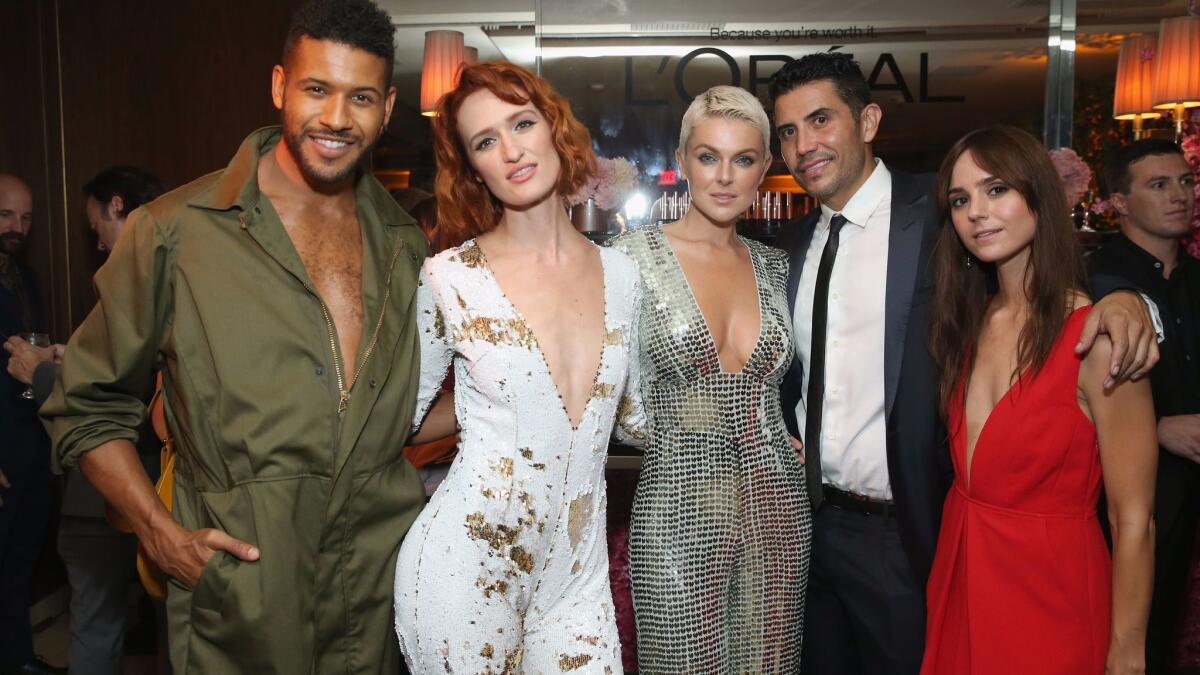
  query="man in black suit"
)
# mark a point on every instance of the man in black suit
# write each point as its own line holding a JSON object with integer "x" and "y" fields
{"x": 1152, "y": 191}
{"x": 26, "y": 484}
{"x": 862, "y": 392}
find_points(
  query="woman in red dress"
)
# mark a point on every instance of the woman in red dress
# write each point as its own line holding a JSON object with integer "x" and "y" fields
{"x": 1022, "y": 581}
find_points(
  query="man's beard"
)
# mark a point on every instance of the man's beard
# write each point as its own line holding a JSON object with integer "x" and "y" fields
{"x": 317, "y": 174}
{"x": 12, "y": 243}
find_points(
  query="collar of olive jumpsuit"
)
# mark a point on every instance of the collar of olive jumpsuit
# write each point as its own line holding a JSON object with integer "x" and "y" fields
{"x": 237, "y": 187}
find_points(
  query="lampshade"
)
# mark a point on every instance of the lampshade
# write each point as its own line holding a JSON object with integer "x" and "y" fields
{"x": 1135, "y": 78}
{"x": 1177, "y": 63}
{"x": 439, "y": 73}
{"x": 470, "y": 56}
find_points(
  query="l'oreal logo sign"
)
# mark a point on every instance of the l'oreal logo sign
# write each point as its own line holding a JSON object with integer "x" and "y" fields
{"x": 885, "y": 75}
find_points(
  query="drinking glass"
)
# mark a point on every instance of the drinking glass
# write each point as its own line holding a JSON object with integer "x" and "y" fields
{"x": 37, "y": 340}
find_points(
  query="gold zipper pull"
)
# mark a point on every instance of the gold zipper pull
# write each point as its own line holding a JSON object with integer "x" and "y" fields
{"x": 344, "y": 402}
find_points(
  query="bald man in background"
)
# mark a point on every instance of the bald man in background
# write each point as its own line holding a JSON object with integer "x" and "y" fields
{"x": 26, "y": 484}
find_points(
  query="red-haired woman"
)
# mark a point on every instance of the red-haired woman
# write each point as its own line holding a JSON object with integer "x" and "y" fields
{"x": 1022, "y": 581}
{"x": 506, "y": 570}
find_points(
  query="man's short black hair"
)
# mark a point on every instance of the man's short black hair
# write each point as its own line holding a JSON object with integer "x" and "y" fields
{"x": 1117, "y": 174}
{"x": 840, "y": 69}
{"x": 133, "y": 185}
{"x": 357, "y": 23}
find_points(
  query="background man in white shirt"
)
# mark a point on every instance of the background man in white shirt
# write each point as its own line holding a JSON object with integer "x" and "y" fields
{"x": 862, "y": 392}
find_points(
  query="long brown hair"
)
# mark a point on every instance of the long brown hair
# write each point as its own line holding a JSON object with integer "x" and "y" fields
{"x": 465, "y": 206}
{"x": 1054, "y": 273}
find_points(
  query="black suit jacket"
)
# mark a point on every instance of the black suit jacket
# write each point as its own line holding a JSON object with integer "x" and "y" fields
{"x": 918, "y": 460}
{"x": 24, "y": 445}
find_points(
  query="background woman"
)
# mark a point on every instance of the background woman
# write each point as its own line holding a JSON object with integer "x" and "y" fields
{"x": 506, "y": 570}
{"x": 720, "y": 525}
{"x": 1022, "y": 580}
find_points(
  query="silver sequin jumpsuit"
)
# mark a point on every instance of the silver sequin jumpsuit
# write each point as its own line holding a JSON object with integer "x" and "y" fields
{"x": 721, "y": 526}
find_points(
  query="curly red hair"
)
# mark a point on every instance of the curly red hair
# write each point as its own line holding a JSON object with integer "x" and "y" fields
{"x": 465, "y": 207}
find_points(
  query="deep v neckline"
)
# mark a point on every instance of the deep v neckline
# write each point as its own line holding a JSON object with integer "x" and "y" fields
{"x": 537, "y": 344}
{"x": 968, "y": 449}
{"x": 712, "y": 340}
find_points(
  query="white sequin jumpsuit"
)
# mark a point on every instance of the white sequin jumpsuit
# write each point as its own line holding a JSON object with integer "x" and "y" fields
{"x": 506, "y": 570}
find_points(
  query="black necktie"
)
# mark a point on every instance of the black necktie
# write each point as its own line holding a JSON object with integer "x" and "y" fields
{"x": 814, "y": 403}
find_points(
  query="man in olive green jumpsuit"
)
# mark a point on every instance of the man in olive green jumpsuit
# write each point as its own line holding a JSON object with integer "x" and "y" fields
{"x": 275, "y": 296}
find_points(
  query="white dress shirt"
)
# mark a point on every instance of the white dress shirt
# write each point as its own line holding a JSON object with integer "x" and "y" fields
{"x": 853, "y": 429}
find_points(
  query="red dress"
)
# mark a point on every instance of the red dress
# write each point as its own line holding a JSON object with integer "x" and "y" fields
{"x": 1022, "y": 577}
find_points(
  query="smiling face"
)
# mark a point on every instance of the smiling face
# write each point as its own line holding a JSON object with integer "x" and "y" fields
{"x": 510, "y": 148}
{"x": 725, "y": 161}
{"x": 823, "y": 143}
{"x": 992, "y": 219}
{"x": 335, "y": 102}
{"x": 1161, "y": 197}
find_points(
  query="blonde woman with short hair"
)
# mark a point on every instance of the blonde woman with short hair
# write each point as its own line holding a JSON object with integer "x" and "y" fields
{"x": 721, "y": 522}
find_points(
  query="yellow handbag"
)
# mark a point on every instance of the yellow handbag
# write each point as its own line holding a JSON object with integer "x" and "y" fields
{"x": 154, "y": 579}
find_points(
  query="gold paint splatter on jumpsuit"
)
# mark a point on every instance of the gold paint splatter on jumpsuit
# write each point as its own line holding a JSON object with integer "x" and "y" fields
{"x": 566, "y": 662}
{"x": 526, "y": 500}
{"x": 439, "y": 324}
{"x": 503, "y": 466}
{"x": 472, "y": 256}
{"x": 499, "y": 586}
{"x": 578, "y": 518}
{"x": 495, "y": 331}
{"x": 625, "y": 410}
{"x": 523, "y": 558}
{"x": 496, "y": 535}
{"x": 512, "y": 660}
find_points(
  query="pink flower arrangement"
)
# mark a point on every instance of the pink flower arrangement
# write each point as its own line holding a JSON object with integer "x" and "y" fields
{"x": 1191, "y": 151}
{"x": 1075, "y": 173}
{"x": 612, "y": 181}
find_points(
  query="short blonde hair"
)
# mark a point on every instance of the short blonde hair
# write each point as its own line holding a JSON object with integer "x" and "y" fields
{"x": 732, "y": 103}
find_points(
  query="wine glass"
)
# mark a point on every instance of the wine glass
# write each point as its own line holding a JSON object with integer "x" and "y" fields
{"x": 37, "y": 340}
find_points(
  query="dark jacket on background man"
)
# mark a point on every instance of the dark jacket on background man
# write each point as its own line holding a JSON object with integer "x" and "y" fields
{"x": 206, "y": 286}
{"x": 24, "y": 458}
{"x": 22, "y": 437}
{"x": 1175, "y": 383}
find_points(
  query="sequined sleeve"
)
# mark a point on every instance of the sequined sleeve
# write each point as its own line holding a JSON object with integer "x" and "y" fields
{"x": 436, "y": 350}
{"x": 630, "y": 428}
